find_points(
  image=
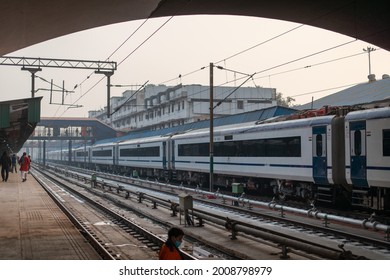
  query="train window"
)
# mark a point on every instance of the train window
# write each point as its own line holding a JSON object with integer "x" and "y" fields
{"x": 81, "y": 154}
{"x": 275, "y": 147}
{"x": 103, "y": 153}
{"x": 140, "y": 152}
{"x": 281, "y": 147}
{"x": 272, "y": 147}
{"x": 194, "y": 150}
{"x": 319, "y": 145}
{"x": 253, "y": 148}
{"x": 357, "y": 135}
{"x": 386, "y": 143}
{"x": 226, "y": 149}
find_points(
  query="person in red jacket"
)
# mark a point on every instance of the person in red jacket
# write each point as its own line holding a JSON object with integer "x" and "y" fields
{"x": 24, "y": 163}
{"x": 170, "y": 249}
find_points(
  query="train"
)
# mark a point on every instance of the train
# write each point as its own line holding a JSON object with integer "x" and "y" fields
{"x": 342, "y": 159}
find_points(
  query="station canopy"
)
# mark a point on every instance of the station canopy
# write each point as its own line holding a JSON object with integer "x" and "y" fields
{"x": 18, "y": 119}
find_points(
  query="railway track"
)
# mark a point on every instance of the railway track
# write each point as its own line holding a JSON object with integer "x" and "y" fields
{"x": 283, "y": 231}
{"x": 110, "y": 232}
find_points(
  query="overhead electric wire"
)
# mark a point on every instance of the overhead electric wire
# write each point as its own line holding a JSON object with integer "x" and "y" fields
{"x": 220, "y": 102}
{"x": 317, "y": 91}
{"x": 122, "y": 61}
{"x": 120, "y": 46}
{"x": 280, "y": 65}
{"x": 268, "y": 40}
{"x": 161, "y": 3}
{"x": 181, "y": 76}
{"x": 147, "y": 39}
{"x": 309, "y": 66}
{"x": 236, "y": 54}
{"x": 285, "y": 63}
{"x": 134, "y": 93}
{"x": 306, "y": 56}
{"x": 262, "y": 43}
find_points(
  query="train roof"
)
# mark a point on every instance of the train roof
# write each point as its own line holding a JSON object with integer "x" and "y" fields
{"x": 144, "y": 140}
{"x": 102, "y": 145}
{"x": 378, "y": 113}
{"x": 256, "y": 127}
{"x": 298, "y": 123}
{"x": 237, "y": 119}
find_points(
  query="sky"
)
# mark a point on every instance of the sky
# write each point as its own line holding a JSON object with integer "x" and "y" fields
{"x": 300, "y": 61}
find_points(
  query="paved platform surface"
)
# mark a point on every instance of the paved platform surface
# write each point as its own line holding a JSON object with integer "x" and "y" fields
{"x": 32, "y": 227}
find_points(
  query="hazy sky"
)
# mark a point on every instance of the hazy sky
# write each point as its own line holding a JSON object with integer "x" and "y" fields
{"x": 188, "y": 43}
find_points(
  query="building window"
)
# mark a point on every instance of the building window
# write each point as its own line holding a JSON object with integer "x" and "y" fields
{"x": 240, "y": 104}
{"x": 182, "y": 105}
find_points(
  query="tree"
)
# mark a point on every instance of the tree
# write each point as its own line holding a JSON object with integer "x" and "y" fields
{"x": 285, "y": 102}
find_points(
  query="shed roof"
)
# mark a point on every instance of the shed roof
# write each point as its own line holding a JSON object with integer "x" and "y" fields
{"x": 360, "y": 94}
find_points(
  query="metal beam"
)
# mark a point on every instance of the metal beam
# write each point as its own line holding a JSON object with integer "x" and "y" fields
{"x": 60, "y": 138}
{"x": 57, "y": 63}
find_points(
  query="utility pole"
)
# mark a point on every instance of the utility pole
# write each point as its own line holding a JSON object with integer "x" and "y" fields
{"x": 108, "y": 75}
{"x": 211, "y": 127}
{"x": 32, "y": 70}
{"x": 369, "y": 50}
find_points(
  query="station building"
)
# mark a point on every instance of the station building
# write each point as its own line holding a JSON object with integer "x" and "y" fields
{"x": 159, "y": 106}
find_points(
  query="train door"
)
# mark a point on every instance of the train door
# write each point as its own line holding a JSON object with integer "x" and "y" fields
{"x": 357, "y": 133}
{"x": 320, "y": 160}
{"x": 173, "y": 154}
{"x": 113, "y": 156}
{"x": 164, "y": 155}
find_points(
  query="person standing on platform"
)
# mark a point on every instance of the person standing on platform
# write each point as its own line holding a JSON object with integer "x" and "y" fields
{"x": 29, "y": 165}
{"x": 170, "y": 249}
{"x": 5, "y": 165}
{"x": 14, "y": 161}
{"x": 24, "y": 163}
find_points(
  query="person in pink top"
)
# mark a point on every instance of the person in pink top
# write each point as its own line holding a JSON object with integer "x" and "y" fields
{"x": 24, "y": 163}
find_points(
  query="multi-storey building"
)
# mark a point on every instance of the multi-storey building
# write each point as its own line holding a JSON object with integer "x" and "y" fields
{"x": 157, "y": 107}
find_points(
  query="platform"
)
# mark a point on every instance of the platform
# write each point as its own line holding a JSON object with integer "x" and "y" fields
{"x": 32, "y": 227}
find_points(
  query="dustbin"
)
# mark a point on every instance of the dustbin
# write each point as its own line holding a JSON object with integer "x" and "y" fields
{"x": 237, "y": 188}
